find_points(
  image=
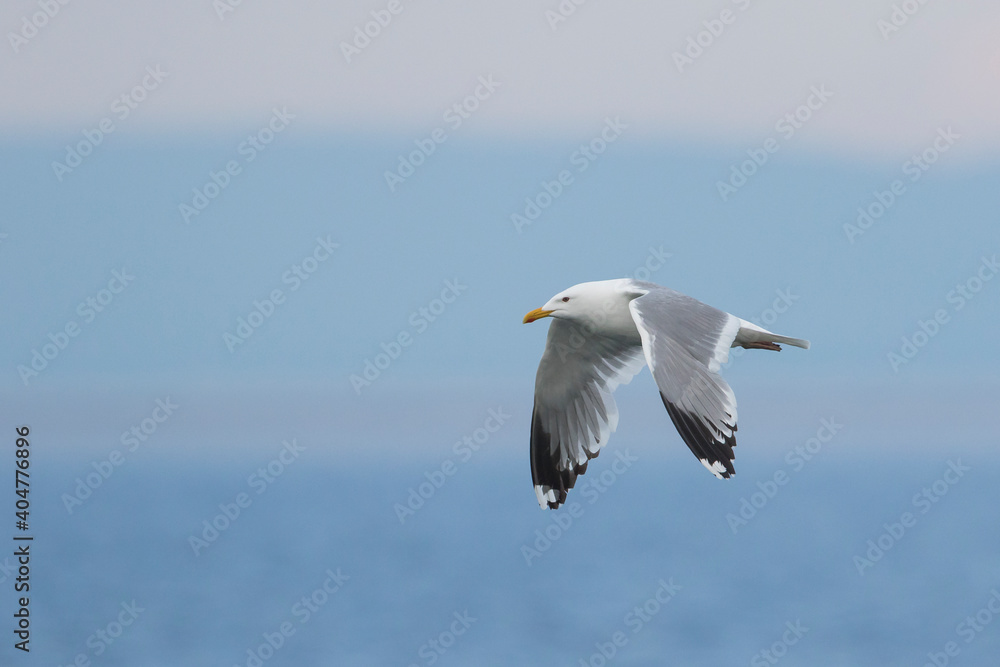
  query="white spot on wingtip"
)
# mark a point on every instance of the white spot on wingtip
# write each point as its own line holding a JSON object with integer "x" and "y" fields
{"x": 715, "y": 468}
{"x": 545, "y": 495}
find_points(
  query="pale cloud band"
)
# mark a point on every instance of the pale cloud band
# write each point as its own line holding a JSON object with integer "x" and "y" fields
{"x": 899, "y": 68}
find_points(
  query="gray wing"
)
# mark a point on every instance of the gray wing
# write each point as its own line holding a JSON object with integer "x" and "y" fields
{"x": 686, "y": 342}
{"x": 574, "y": 410}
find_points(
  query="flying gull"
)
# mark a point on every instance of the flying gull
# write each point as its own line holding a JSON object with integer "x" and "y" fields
{"x": 602, "y": 334}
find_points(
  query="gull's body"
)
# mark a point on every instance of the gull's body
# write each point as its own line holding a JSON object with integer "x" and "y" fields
{"x": 601, "y": 335}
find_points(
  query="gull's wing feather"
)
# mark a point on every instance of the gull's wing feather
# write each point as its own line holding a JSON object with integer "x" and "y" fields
{"x": 685, "y": 343}
{"x": 574, "y": 410}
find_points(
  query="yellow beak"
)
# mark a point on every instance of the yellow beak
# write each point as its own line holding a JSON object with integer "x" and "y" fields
{"x": 536, "y": 314}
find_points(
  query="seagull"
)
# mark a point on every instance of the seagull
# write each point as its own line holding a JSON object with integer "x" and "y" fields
{"x": 602, "y": 334}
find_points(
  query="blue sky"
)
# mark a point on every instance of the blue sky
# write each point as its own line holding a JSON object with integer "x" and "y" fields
{"x": 222, "y": 150}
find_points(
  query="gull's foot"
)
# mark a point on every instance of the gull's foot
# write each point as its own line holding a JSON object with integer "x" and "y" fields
{"x": 762, "y": 346}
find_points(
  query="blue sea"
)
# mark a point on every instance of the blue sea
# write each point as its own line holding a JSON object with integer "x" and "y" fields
{"x": 804, "y": 558}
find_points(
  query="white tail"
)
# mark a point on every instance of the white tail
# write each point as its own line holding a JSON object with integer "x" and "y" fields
{"x": 751, "y": 333}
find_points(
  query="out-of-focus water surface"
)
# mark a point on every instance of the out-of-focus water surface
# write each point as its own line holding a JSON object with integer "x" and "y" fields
{"x": 466, "y": 579}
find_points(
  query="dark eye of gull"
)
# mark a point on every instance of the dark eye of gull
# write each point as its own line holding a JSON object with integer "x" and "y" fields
{"x": 565, "y": 298}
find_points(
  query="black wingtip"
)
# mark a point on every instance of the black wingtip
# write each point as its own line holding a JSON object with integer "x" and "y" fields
{"x": 703, "y": 442}
{"x": 544, "y": 471}
{"x": 543, "y": 466}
